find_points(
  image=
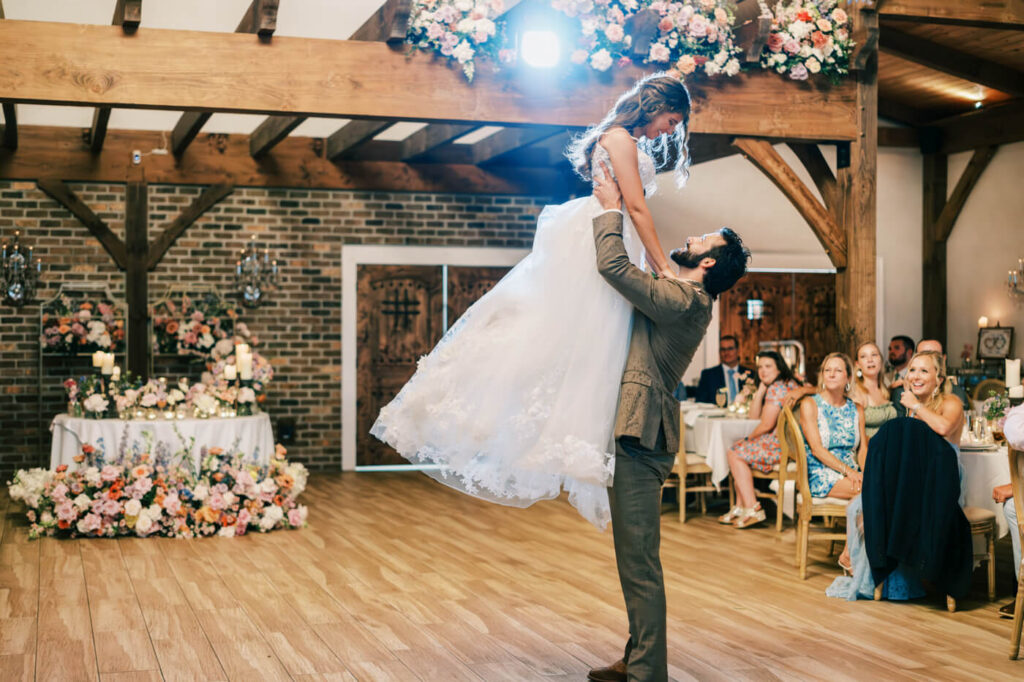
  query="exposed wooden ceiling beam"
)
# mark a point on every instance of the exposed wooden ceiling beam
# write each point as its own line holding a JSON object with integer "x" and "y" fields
{"x": 508, "y": 139}
{"x": 975, "y": 167}
{"x": 817, "y": 167}
{"x": 822, "y": 223}
{"x": 898, "y": 137}
{"x": 47, "y": 152}
{"x": 9, "y": 131}
{"x": 1005, "y": 14}
{"x": 952, "y": 61}
{"x": 63, "y": 195}
{"x": 260, "y": 18}
{"x": 388, "y": 24}
{"x": 203, "y": 203}
{"x": 354, "y": 79}
{"x": 270, "y": 133}
{"x": 425, "y": 140}
{"x": 901, "y": 113}
{"x": 186, "y": 129}
{"x": 1002, "y": 124}
{"x": 127, "y": 15}
{"x": 704, "y": 148}
{"x": 344, "y": 141}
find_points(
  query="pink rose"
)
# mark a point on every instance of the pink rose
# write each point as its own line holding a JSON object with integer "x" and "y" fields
{"x": 824, "y": 25}
{"x": 90, "y": 523}
{"x": 665, "y": 25}
{"x": 110, "y": 473}
{"x": 775, "y": 42}
{"x": 698, "y": 27}
{"x": 721, "y": 17}
{"x": 435, "y": 31}
{"x": 66, "y": 511}
{"x": 297, "y": 516}
{"x": 839, "y": 16}
{"x": 244, "y": 517}
{"x": 614, "y": 32}
{"x": 59, "y": 492}
{"x": 819, "y": 39}
{"x": 798, "y": 72}
{"x": 659, "y": 53}
{"x": 792, "y": 46}
{"x": 172, "y": 504}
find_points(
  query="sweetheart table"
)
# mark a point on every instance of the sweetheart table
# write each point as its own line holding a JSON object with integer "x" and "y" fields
{"x": 251, "y": 436}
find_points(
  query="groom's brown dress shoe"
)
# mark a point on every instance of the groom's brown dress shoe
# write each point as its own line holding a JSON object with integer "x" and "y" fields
{"x": 616, "y": 672}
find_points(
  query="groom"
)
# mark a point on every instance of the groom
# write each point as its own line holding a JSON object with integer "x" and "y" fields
{"x": 671, "y": 316}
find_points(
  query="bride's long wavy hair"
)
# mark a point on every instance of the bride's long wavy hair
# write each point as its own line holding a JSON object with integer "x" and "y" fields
{"x": 652, "y": 95}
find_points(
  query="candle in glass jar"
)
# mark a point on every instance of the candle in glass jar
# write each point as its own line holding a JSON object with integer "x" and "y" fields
{"x": 230, "y": 372}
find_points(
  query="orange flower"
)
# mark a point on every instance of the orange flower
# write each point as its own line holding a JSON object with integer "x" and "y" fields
{"x": 261, "y": 397}
{"x": 218, "y": 476}
{"x": 205, "y": 329}
{"x": 171, "y": 327}
{"x": 278, "y": 500}
{"x": 216, "y": 451}
{"x": 65, "y": 320}
{"x": 88, "y": 449}
{"x": 63, "y": 525}
{"x": 227, "y": 520}
{"x": 285, "y": 481}
{"x": 159, "y": 499}
{"x": 64, "y": 329}
{"x": 161, "y": 404}
{"x": 207, "y": 515}
{"x": 62, "y": 467}
{"x": 86, "y": 306}
{"x": 79, "y": 459}
{"x": 280, "y": 451}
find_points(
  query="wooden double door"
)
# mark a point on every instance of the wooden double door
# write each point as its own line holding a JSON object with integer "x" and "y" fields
{"x": 402, "y": 312}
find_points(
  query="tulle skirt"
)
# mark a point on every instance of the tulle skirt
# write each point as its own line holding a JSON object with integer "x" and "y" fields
{"x": 517, "y": 401}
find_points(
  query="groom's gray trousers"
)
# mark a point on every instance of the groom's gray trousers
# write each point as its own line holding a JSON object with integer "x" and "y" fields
{"x": 635, "y": 498}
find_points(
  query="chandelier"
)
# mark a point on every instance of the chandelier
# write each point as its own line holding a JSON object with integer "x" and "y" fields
{"x": 255, "y": 275}
{"x": 1015, "y": 281}
{"x": 18, "y": 273}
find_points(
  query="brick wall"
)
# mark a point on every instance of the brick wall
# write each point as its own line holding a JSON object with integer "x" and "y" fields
{"x": 299, "y": 329}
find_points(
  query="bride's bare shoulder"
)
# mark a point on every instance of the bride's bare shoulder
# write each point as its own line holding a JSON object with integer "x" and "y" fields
{"x": 617, "y": 135}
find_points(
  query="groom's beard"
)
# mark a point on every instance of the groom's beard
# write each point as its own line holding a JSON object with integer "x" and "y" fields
{"x": 684, "y": 258}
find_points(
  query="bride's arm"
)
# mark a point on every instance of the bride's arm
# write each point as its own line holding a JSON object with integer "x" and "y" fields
{"x": 623, "y": 153}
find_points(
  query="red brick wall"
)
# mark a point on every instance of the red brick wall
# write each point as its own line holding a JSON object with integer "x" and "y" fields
{"x": 299, "y": 329}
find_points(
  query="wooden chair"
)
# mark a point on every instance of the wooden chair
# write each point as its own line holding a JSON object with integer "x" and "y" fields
{"x": 982, "y": 390}
{"x": 807, "y": 507}
{"x": 689, "y": 464}
{"x": 782, "y": 472}
{"x": 1017, "y": 484}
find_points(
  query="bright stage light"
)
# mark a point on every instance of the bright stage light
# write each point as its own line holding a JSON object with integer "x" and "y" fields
{"x": 540, "y": 49}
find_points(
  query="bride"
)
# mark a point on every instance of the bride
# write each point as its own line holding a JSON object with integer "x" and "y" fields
{"x": 517, "y": 401}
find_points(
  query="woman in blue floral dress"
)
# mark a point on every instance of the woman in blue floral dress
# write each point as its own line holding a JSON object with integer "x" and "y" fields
{"x": 833, "y": 427}
{"x": 760, "y": 450}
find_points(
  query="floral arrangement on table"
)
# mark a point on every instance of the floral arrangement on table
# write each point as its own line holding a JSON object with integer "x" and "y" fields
{"x": 695, "y": 35}
{"x": 194, "y": 326}
{"x": 72, "y": 327}
{"x": 995, "y": 408}
{"x": 692, "y": 36}
{"x": 162, "y": 495}
{"x": 459, "y": 30}
{"x": 808, "y": 37}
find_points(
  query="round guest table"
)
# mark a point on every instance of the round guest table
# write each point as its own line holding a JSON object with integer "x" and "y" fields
{"x": 984, "y": 470}
{"x": 251, "y": 436}
{"x": 710, "y": 432}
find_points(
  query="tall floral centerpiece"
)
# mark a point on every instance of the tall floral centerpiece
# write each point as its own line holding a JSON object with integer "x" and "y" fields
{"x": 70, "y": 327}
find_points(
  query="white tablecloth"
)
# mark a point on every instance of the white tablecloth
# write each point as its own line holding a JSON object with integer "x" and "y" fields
{"x": 985, "y": 470}
{"x": 711, "y": 436}
{"x": 249, "y": 435}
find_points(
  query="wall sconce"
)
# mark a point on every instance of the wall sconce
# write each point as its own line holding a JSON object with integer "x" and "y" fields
{"x": 19, "y": 273}
{"x": 255, "y": 276}
{"x": 1015, "y": 281}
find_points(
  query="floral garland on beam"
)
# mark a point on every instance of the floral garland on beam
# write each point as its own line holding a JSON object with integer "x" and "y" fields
{"x": 808, "y": 37}
{"x": 694, "y": 35}
{"x": 459, "y": 30}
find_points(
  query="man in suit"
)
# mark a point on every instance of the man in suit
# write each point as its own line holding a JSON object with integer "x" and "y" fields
{"x": 671, "y": 316}
{"x": 725, "y": 375}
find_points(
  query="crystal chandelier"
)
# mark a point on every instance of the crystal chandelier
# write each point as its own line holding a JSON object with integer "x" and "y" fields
{"x": 255, "y": 275}
{"x": 1015, "y": 281}
{"x": 19, "y": 273}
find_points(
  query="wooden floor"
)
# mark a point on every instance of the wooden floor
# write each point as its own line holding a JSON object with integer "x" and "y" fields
{"x": 398, "y": 578}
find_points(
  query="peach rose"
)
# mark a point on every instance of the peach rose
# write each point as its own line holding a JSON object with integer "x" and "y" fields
{"x": 686, "y": 64}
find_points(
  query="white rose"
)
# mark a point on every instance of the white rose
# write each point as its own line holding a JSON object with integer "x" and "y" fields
{"x": 227, "y": 532}
{"x": 155, "y": 510}
{"x": 268, "y": 486}
{"x": 207, "y": 340}
{"x": 601, "y": 60}
{"x": 144, "y": 524}
{"x": 659, "y": 53}
{"x": 799, "y": 29}
{"x": 92, "y": 476}
{"x": 206, "y": 402}
{"x": 711, "y": 67}
{"x": 132, "y": 508}
{"x": 46, "y": 518}
{"x": 201, "y": 492}
{"x": 805, "y": 51}
{"x": 614, "y": 33}
{"x": 721, "y": 57}
{"x": 229, "y": 499}
{"x": 464, "y": 5}
{"x": 813, "y": 65}
{"x": 246, "y": 395}
{"x": 589, "y": 26}
{"x": 95, "y": 403}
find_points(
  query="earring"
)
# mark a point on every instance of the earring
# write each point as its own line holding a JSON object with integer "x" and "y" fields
{"x": 860, "y": 374}
{"x": 847, "y": 388}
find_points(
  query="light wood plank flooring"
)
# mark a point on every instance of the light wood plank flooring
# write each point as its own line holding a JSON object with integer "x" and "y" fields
{"x": 398, "y": 578}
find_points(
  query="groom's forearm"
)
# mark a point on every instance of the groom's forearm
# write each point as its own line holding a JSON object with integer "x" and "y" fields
{"x": 614, "y": 265}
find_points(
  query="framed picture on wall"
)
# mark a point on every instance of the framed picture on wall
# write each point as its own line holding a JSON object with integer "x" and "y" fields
{"x": 995, "y": 343}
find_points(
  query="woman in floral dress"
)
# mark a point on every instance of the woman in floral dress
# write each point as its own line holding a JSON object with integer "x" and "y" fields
{"x": 760, "y": 450}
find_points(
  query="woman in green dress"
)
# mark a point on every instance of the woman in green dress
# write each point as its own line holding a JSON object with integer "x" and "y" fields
{"x": 869, "y": 389}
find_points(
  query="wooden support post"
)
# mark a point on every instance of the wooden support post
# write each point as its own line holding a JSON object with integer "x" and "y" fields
{"x": 98, "y": 131}
{"x": 856, "y": 214}
{"x": 136, "y": 288}
{"x": 344, "y": 141}
{"x": 933, "y": 251}
{"x": 260, "y": 18}
{"x": 186, "y": 129}
{"x": 270, "y": 132}
{"x": 10, "y": 130}
{"x": 62, "y": 194}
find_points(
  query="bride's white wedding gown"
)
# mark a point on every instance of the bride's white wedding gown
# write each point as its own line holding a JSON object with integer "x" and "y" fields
{"x": 518, "y": 399}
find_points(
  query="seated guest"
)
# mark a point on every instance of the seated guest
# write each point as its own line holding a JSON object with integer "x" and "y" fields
{"x": 761, "y": 449}
{"x": 728, "y": 375}
{"x": 869, "y": 389}
{"x": 833, "y": 427}
{"x": 1013, "y": 429}
{"x": 901, "y": 348}
{"x": 926, "y": 400}
{"x": 953, "y": 386}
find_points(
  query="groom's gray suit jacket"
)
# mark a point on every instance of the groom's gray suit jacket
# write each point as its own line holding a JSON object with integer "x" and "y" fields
{"x": 669, "y": 322}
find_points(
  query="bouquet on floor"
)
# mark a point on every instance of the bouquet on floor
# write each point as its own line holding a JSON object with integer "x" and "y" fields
{"x": 808, "y": 37}
{"x": 147, "y": 491}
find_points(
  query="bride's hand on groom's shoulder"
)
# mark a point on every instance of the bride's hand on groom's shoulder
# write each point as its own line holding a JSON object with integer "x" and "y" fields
{"x": 607, "y": 191}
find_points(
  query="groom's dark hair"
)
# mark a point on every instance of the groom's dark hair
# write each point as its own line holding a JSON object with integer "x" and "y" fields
{"x": 730, "y": 263}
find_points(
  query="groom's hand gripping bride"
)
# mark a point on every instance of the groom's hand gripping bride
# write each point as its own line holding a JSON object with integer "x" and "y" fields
{"x": 670, "y": 318}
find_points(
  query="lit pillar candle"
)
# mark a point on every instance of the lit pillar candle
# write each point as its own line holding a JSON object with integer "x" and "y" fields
{"x": 117, "y": 373}
{"x": 1012, "y": 373}
{"x": 242, "y": 349}
{"x": 230, "y": 372}
{"x": 97, "y": 358}
{"x": 245, "y": 367}
{"x": 108, "y": 363}
{"x": 982, "y": 321}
